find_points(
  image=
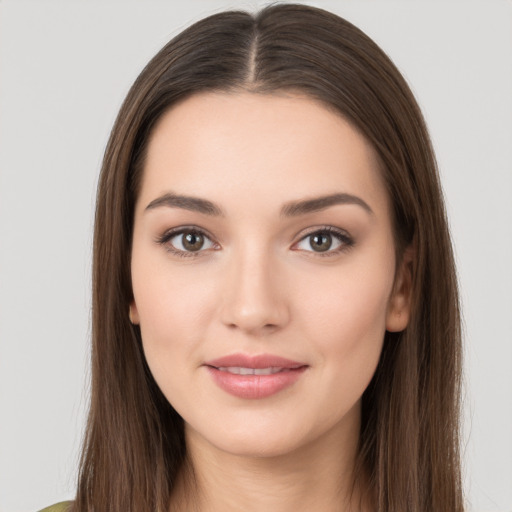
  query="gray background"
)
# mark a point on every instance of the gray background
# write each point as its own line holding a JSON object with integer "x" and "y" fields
{"x": 64, "y": 70}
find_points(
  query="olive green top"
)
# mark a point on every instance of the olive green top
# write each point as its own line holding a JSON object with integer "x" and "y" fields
{"x": 58, "y": 507}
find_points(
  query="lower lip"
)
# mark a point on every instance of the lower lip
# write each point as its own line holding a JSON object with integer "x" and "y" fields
{"x": 255, "y": 386}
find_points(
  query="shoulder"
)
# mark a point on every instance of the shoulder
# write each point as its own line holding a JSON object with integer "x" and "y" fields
{"x": 63, "y": 506}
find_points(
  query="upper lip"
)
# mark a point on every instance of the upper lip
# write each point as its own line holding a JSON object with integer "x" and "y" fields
{"x": 253, "y": 361}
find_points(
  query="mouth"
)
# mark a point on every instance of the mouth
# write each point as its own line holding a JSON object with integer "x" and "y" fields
{"x": 254, "y": 377}
{"x": 239, "y": 370}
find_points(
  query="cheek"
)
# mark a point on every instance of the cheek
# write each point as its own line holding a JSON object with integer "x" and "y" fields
{"x": 345, "y": 318}
{"x": 350, "y": 312}
{"x": 174, "y": 308}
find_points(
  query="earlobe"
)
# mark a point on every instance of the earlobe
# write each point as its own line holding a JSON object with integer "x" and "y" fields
{"x": 133, "y": 313}
{"x": 399, "y": 306}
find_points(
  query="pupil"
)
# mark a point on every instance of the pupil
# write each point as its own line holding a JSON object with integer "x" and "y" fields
{"x": 193, "y": 241}
{"x": 321, "y": 242}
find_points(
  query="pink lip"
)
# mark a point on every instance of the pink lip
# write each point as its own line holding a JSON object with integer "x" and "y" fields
{"x": 254, "y": 386}
{"x": 248, "y": 361}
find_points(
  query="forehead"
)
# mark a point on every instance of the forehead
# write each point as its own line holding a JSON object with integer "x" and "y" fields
{"x": 272, "y": 146}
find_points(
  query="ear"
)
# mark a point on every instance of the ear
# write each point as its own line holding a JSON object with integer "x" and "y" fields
{"x": 399, "y": 306}
{"x": 133, "y": 313}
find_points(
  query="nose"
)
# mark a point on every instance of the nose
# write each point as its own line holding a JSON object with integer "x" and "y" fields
{"x": 254, "y": 300}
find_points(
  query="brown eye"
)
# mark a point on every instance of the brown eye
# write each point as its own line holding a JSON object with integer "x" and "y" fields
{"x": 327, "y": 241}
{"x": 186, "y": 242}
{"x": 192, "y": 241}
{"x": 320, "y": 242}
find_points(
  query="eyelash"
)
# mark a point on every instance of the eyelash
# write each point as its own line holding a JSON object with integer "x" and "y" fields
{"x": 169, "y": 235}
{"x": 346, "y": 241}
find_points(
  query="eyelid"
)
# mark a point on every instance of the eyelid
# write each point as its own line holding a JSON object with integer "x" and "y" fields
{"x": 345, "y": 239}
{"x": 168, "y": 235}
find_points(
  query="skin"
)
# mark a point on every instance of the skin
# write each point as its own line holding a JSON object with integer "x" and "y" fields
{"x": 259, "y": 285}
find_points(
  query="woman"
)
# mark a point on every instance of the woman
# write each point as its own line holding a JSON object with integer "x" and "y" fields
{"x": 275, "y": 310}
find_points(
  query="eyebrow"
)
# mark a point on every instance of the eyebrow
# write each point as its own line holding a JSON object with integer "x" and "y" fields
{"x": 195, "y": 204}
{"x": 290, "y": 209}
{"x": 294, "y": 208}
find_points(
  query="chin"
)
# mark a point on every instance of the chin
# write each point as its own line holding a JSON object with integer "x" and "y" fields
{"x": 257, "y": 445}
{"x": 255, "y": 437}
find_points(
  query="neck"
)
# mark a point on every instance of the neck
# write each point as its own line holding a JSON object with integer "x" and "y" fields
{"x": 317, "y": 476}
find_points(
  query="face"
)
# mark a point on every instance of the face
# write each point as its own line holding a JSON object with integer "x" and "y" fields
{"x": 263, "y": 267}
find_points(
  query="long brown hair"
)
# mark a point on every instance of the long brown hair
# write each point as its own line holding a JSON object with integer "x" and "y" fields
{"x": 409, "y": 443}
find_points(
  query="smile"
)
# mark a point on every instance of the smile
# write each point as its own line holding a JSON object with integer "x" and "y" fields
{"x": 238, "y": 370}
{"x": 254, "y": 377}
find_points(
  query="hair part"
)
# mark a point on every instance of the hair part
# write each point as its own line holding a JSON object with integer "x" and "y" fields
{"x": 134, "y": 447}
